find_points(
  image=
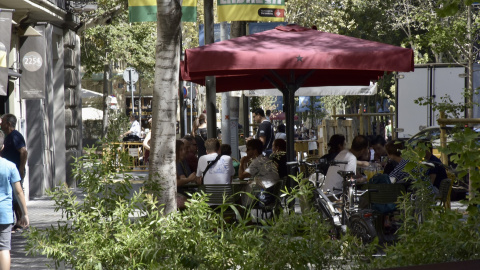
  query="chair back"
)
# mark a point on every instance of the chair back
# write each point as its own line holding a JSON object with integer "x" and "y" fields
{"x": 443, "y": 189}
{"x": 218, "y": 192}
{"x": 444, "y": 192}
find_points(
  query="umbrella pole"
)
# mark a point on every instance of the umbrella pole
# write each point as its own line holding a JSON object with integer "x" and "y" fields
{"x": 289, "y": 97}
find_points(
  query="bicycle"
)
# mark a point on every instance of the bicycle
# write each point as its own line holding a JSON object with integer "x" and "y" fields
{"x": 343, "y": 213}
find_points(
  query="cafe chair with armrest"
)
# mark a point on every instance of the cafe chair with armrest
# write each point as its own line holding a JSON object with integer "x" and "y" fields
{"x": 273, "y": 207}
{"x": 444, "y": 192}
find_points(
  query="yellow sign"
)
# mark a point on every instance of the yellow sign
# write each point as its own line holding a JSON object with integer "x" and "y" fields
{"x": 251, "y": 10}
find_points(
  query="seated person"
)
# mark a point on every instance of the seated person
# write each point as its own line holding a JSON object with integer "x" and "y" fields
{"x": 191, "y": 151}
{"x": 279, "y": 157}
{"x": 226, "y": 150}
{"x": 312, "y": 146}
{"x": 336, "y": 144}
{"x": 221, "y": 171}
{"x": 184, "y": 175}
{"x": 262, "y": 170}
{"x": 437, "y": 173}
{"x": 359, "y": 148}
{"x": 394, "y": 148}
{"x": 133, "y": 134}
{"x": 281, "y": 132}
{"x": 378, "y": 145}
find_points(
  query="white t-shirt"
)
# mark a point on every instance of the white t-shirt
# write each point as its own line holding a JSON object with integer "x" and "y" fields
{"x": 281, "y": 135}
{"x": 135, "y": 128}
{"x": 333, "y": 179}
{"x": 263, "y": 169}
{"x": 312, "y": 145}
{"x": 220, "y": 173}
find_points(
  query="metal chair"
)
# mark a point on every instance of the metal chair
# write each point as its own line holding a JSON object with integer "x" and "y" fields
{"x": 219, "y": 194}
{"x": 444, "y": 193}
{"x": 271, "y": 207}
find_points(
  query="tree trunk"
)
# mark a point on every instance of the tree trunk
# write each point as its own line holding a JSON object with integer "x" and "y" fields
{"x": 165, "y": 94}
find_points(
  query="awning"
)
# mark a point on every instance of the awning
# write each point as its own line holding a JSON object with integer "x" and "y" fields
{"x": 368, "y": 90}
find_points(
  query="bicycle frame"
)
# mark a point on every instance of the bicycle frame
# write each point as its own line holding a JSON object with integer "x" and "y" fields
{"x": 345, "y": 214}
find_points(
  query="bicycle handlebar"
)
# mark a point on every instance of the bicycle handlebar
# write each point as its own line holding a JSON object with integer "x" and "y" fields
{"x": 321, "y": 161}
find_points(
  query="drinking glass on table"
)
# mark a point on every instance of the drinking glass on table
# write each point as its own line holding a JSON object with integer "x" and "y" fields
{"x": 370, "y": 172}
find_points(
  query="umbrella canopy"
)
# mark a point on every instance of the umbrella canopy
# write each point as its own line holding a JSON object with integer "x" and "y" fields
{"x": 289, "y": 57}
{"x": 319, "y": 91}
{"x": 335, "y": 59}
{"x": 281, "y": 116}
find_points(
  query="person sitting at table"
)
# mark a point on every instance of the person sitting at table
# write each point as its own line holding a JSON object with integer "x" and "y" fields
{"x": 394, "y": 152}
{"x": 191, "y": 151}
{"x": 336, "y": 144}
{"x": 333, "y": 180}
{"x": 279, "y": 156}
{"x": 312, "y": 145}
{"x": 214, "y": 168}
{"x": 133, "y": 134}
{"x": 184, "y": 174}
{"x": 226, "y": 150}
{"x": 437, "y": 173}
{"x": 263, "y": 171}
{"x": 378, "y": 145}
{"x": 280, "y": 134}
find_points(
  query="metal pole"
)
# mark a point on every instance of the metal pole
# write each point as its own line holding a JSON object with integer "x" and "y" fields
{"x": 140, "y": 101}
{"x": 105, "y": 96}
{"x": 470, "y": 64}
{"x": 226, "y": 134}
{"x": 289, "y": 96}
{"x": 210, "y": 80}
{"x": 131, "y": 90}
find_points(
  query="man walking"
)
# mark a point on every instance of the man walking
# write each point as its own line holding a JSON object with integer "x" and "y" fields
{"x": 14, "y": 150}
{"x": 10, "y": 185}
{"x": 264, "y": 132}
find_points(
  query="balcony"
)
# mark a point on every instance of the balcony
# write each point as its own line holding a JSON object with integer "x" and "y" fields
{"x": 79, "y": 6}
{"x": 59, "y": 3}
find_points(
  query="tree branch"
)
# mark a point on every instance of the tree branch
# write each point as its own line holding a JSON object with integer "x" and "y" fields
{"x": 100, "y": 20}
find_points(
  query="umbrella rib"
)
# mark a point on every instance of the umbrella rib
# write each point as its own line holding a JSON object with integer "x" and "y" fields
{"x": 273, "y": 83}
{"x": 279, "y": 78}
{"x": 301, "y": 80}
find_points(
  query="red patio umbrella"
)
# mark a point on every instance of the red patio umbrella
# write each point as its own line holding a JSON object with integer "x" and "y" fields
{"x": 281, "y": 116}
{"x": 289, "y": 57}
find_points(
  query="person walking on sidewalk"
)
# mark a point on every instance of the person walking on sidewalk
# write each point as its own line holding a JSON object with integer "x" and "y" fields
{"x": 9, "y": 187}
{"x": 14, "y": 150}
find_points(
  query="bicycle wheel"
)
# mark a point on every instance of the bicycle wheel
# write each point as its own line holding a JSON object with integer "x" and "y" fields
{"x": 362, "y": 228}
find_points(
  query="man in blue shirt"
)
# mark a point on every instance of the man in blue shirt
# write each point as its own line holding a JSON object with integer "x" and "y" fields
{"x": 15, "y": 151}
{"x": 9, "y": 184}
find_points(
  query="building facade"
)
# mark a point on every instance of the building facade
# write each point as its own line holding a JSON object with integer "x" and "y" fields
{"x": 43, "y": 88}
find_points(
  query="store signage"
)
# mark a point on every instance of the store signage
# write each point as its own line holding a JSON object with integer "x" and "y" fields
{"x": 32, "y": 55}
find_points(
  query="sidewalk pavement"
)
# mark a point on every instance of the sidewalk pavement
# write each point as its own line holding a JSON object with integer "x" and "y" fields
{"x": 41, "y": 212}
{"x": 42, "y": 215}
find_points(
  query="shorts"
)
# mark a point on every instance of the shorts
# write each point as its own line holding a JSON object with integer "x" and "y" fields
{"x": 5, "y": 236}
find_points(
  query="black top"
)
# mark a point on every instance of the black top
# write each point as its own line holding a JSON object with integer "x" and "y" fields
{"x": 329, "y": 157}
{"x": 200, "y": 138}
{"x": 438, "y": 170}
{"x": 265, "y": 129}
